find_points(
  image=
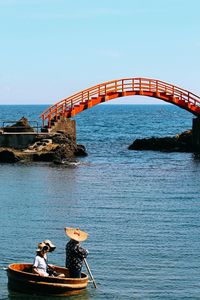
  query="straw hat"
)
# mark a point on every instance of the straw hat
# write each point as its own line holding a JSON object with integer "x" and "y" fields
{"x": 50, "y": 244}
{"x": 41, "y": 247}
{"x": 76, "y": 234}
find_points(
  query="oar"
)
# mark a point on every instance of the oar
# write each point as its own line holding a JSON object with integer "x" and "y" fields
{"x": 90, "y": 273}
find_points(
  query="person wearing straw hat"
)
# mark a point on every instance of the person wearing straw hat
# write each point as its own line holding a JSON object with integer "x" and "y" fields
{"x": 40, "y": 264}
{"x": 75, "y": 254}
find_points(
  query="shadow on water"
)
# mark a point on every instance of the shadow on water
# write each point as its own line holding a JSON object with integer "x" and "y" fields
{"x": 196, "y": 156}
{"x": 83, "y": 295}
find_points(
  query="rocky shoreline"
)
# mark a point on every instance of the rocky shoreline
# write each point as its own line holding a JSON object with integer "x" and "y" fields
{"x": 56, "y": 147}
{"x": 60, "y": 147}
{"x": 51, "y": 148}
{"x": 180, "y": 143}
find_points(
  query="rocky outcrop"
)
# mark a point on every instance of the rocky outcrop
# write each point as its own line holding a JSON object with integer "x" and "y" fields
{"x": 179, "y": 143}
{"x": 56, "y": 147}
{"x": 8, "y": 156}
{"x": 80, "y": 151}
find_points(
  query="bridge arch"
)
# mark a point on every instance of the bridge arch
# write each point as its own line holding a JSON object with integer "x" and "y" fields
{"x": 72, "y": 105}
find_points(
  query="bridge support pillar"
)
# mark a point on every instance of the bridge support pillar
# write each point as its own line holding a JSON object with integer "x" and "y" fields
{"x": 196, "y": 133}
{"x": 66, "y": 125}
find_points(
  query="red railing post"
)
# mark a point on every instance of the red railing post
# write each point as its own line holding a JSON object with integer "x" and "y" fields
{"x": 173, "y": 91}
{"x": 156, "y": 86}
{"x": 56, "y": 112}
{"x": 116, "y": 86}
{"x": 150, "y": 85}
{"x": 134, "y": 84}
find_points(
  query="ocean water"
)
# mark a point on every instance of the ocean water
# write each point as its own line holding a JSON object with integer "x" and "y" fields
{"x": 140, "y": 208}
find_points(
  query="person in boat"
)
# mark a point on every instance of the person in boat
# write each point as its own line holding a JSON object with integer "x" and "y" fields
{"x": 50, "y": 246}
{"x": 50, "y": 268}
{"x": 40, "y": 263}
{"x": 75, "y": 254}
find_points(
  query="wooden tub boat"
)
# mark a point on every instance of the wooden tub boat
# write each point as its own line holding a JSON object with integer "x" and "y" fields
{"x": 21, "y": 279}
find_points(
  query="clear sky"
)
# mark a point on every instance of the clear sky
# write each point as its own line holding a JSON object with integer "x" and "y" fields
{"x": 51, "y": 49}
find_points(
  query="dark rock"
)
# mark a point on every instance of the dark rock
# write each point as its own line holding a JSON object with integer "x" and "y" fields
{"x": 46, "y": 157}
{"x": 80, "y": 151}
{"x": 57, "y": 161}
{"x": 185, "y": 140}
{"x": 181, "y": 142}
{"x": 63, "y": 151}
{"x": 8, "y": 156}
{"x": 61, "y": 131}
{"x": 59, "y": 138}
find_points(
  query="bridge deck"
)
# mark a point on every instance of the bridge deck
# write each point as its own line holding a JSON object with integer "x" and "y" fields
{"x": 72, "y": 105}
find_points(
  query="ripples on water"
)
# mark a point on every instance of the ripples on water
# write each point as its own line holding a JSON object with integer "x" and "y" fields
{"x": 141, "y": 208}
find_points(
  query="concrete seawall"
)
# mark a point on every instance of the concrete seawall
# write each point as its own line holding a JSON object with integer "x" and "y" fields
{"x": 22, "y": 139}
{"x": 57, "y": 144}
{"x": 17, "y": 140}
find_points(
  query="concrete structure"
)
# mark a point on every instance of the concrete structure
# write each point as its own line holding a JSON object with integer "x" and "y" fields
{"x": 17, "y": 140}
{"x": 21, "y": 140}
{"x": 196, "y": 134}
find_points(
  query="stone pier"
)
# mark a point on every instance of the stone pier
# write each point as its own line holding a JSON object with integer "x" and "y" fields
{"x": 196, "y": 133}
{"x": 57, "y": 144}
{"x": 68, "y": 127}
{"x": 20, "y": 138}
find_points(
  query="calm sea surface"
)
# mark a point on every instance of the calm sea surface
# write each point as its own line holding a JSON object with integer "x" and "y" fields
{"x": 141, "y": 208}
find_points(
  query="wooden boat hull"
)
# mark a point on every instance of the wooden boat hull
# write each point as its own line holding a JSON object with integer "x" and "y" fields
{"x": 21, "y": 279}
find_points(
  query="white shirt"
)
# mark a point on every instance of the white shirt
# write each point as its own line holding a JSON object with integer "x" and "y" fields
{"x": 41, "y": 265}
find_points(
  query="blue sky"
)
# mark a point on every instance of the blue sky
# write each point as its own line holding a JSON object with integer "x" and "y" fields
{"x": 51, "y": 49}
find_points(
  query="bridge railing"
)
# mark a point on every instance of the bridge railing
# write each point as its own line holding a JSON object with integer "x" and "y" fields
{"x": 139, "y": 85}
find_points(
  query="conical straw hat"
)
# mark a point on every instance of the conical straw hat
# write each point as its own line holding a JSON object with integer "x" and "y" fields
{"x": 76, "y": 234}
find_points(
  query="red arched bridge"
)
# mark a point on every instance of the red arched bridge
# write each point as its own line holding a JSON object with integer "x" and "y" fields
{"x": 72, "y": 105}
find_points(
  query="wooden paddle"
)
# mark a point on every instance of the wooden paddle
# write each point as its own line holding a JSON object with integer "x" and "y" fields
{"x": 90, "y": 273}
